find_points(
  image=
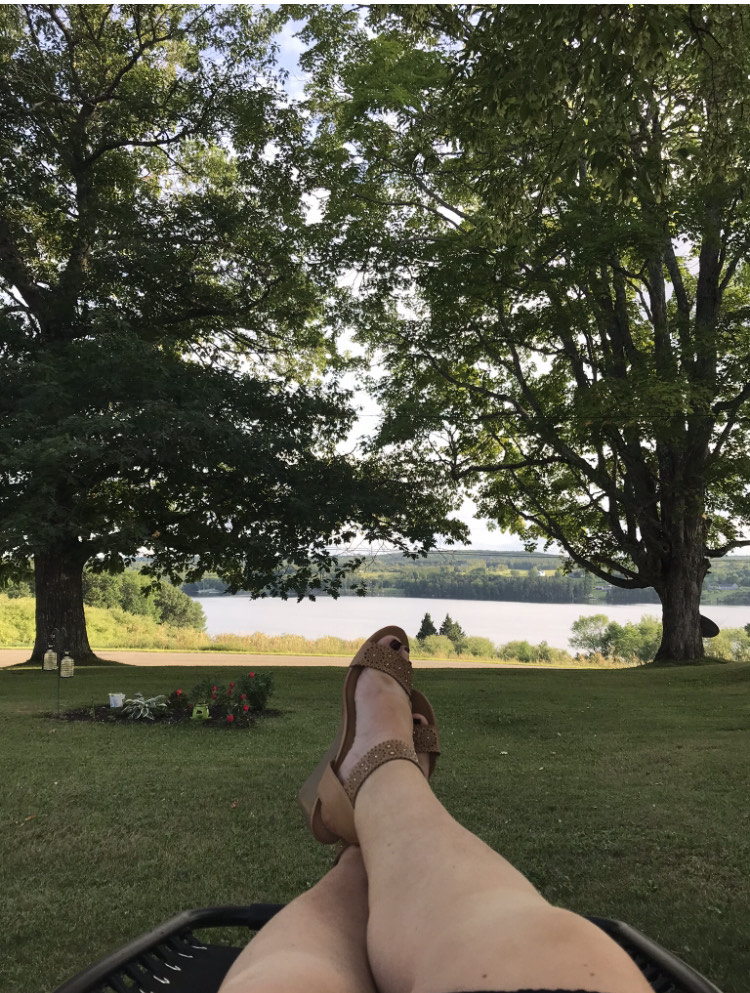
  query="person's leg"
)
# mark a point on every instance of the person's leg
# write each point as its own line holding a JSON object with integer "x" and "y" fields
{"x": 316, "y": 944}
{"x": 446, "y": 912}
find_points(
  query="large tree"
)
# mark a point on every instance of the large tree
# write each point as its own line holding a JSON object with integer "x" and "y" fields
{"x": 162, "y": 355}
{"x": 551, "y": 211}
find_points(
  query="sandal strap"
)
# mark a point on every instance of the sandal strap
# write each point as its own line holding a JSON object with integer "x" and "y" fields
{"x": 386, "y": 751}
{"x": 393, "y": 663}
{"x": 426, "y": 739}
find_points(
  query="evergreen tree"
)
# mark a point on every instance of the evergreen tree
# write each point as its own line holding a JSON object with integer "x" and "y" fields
{"x": 453, "y": 630}
{"x": 427, "y": 628}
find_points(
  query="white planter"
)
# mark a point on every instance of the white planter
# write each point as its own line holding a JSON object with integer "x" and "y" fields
{"x": 116, "y": 699}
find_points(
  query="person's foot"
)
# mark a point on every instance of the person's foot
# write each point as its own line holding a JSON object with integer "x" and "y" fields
{"x": 377, "y": 728}
{"x": 383, "y": 712}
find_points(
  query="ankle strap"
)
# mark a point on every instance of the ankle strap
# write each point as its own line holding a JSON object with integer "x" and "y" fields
{"x": 386, "y": 751}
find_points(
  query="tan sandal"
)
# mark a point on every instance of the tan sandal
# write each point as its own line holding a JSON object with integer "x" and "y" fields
{"x": 323, "y": 788}
{"x": 425, "y": 740}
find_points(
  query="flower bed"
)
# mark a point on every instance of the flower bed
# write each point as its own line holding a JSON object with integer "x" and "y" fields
{"x": 209, "y": 703}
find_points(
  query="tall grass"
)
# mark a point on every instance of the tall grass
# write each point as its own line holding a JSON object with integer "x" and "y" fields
{"x": 284, "y": 644}
{"x": 107, "y": 628}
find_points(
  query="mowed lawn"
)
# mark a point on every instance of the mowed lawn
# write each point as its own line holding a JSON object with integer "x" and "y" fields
{"x": 619, "y": 793}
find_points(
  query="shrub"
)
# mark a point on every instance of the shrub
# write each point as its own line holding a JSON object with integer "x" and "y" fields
{"x": 135, "y": 594}
{"x": 480, "y": 648}
{"x": 252, "y": 690}
{"x": 524, "y": 651}
{"x": 634, "y": 641}
{"x": 731, "y": 643}
{"x": 438, "y": 646}
{"x": 521, "y": 651}
{"x": 598, "y": 635}
{"x": 18, "y": 591}
{"x": 179, "y": 701}
{"x": 590, "y": 633}
{"x": 242, "y": 699}
{"x": 176, "y": 608}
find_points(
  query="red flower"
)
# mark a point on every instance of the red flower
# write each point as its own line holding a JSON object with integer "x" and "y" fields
{"x": 246, "y": 707}
{"x": 231, "y": 686}
{"x": 179, "y": 692}
{"x": 213, "y": 696}
{"x": 230, "y": 718}
{"x": 213, "y": 689}
{"x": 251, "y": 675}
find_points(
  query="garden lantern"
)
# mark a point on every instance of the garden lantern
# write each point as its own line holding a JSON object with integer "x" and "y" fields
{"x": 57, "y": 657}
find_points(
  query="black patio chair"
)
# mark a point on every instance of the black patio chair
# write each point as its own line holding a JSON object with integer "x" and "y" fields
{"x": 171, "y": 959}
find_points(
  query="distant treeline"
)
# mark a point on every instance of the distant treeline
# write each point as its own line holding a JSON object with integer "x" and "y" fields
{"x": 534, "y": 577}
{"x": 457, "y": 586}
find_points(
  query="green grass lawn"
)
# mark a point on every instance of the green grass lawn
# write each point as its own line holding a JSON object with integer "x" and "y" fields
{"x": 619, "y": 793}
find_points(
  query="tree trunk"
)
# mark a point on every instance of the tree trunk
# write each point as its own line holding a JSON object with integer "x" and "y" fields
{"x": 59, "y": 600}
{"x": 680, "y": 596}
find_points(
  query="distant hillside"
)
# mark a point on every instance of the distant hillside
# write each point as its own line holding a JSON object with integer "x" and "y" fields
{"x": 538, "y": 577}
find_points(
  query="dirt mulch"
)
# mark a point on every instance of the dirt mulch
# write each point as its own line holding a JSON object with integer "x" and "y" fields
{"x": 109, "y": 715}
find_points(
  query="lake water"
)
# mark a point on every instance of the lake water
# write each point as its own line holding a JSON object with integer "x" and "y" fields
{"x": 357, "y": 617}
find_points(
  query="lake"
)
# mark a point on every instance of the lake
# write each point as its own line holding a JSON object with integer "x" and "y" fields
{"x": 357, "y": 617}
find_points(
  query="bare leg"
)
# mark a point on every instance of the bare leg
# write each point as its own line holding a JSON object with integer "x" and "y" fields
{"x": 316, "y": 944}
{"x": 446, "y": 912}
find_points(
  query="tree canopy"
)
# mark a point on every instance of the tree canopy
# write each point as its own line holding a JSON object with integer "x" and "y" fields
{"x": 550, "y": 210}
{"x": 165, "y": 372}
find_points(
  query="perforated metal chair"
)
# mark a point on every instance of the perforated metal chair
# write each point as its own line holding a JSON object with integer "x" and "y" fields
{"x": 171, "y": 959}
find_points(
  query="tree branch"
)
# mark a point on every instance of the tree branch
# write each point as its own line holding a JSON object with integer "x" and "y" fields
{"x": 717, "y": 553}
{"x": 13, "y": 269}
{"x": 407, "y": 203}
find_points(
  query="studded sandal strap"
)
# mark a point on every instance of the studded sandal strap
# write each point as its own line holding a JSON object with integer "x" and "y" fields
{"x": 386, "y": 751}
{"x": 386, "y": 660}
{"x": 426, "y": 739}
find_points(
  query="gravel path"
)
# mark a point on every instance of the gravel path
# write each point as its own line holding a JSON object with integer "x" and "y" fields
{"x": 10, "y": 657}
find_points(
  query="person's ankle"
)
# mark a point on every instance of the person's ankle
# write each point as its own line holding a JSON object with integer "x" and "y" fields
{"x": 383, "y": 714}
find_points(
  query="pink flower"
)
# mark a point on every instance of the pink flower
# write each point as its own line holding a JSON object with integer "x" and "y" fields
{"x": 251, "y": 675}
{"x": 246, "y": 707}
{"x": 230, "y": 718}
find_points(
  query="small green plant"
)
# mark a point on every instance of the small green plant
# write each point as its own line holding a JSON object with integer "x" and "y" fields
{"x": 137, "y": 708}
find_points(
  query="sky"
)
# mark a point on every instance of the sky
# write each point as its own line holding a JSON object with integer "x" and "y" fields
{"x": 482, "y": 538}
